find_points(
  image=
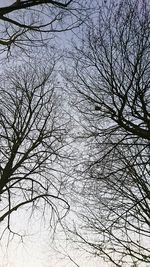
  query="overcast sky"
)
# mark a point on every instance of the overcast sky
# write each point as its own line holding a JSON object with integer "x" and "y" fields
{"x": 36, "y": 250}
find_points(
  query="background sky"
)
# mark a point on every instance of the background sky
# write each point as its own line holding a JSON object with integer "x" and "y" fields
{"x": 36, "y": 249}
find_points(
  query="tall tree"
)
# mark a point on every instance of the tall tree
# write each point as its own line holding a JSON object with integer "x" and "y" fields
{"x": 111, "y": 80}
{"x": 33, "y": 139}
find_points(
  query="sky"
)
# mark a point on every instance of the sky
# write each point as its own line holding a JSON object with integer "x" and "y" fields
{"x": 36, "y": 249}
{"x": 39, "y": 249}
{"x": 5, "y": 2}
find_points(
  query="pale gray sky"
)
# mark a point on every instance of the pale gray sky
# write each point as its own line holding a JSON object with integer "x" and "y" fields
{"x": 5, "y": 2}
{"x": 36, "y": 250}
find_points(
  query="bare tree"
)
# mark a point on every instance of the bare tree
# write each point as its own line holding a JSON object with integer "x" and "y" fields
{"x": 33, "y": 141}
{"x": 28, "y": 23}
{"x": 111, "y": 80}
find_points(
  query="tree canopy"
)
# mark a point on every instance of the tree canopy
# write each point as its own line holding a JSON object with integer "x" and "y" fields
{"x": 110, "y": 75}
{"x": 28, "y": 23}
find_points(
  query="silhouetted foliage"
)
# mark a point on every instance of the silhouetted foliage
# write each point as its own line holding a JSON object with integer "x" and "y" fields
{"x": 27, "y": 23}
{"x": 111, "y": 79}
{"x": 33, "y": 139}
